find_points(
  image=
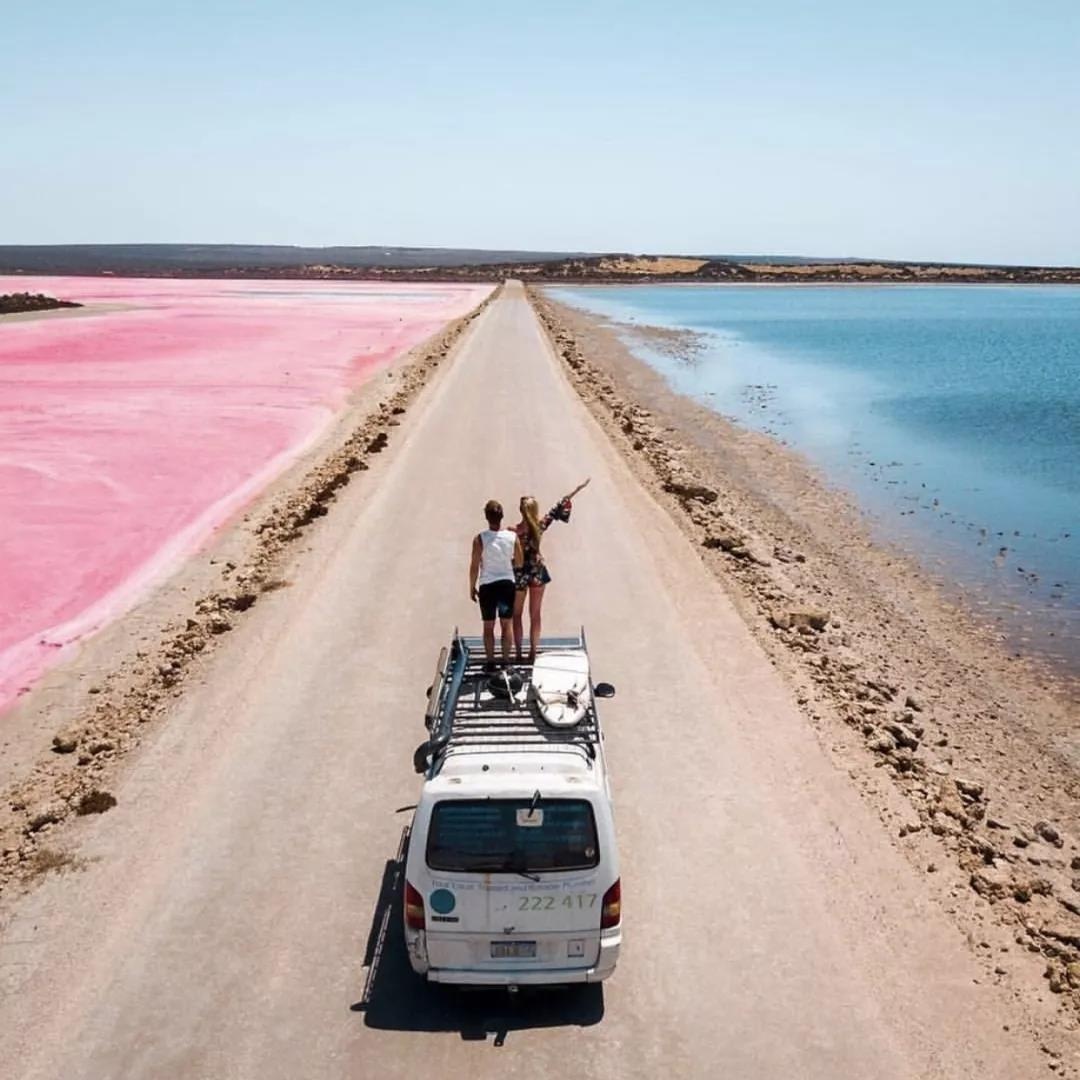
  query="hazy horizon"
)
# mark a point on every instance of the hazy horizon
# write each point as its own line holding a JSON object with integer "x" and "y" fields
{"x": 929, "y": 133}
{"x": 502, "y": 254}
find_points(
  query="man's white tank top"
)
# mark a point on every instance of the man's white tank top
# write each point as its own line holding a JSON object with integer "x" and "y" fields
{"x": 497, "y": 557}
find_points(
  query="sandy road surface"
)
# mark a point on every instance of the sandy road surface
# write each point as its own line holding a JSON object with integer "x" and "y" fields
{"x": 223, "y": 925}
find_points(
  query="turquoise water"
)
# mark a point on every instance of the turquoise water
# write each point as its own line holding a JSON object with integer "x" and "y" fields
{"x": 951, "y": 412}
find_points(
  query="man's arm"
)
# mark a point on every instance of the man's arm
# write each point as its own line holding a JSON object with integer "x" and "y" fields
{"x": 474, "y": 566}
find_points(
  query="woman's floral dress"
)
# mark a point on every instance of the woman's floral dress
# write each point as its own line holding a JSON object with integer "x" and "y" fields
{"x": 533, "y": 571}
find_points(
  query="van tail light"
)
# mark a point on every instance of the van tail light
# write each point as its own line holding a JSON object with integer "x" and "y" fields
{"x": 414, "y": 908}
{"x": 611, "y": 910}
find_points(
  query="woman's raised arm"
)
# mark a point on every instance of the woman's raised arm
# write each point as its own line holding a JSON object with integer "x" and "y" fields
{"x": 581, "y": 487}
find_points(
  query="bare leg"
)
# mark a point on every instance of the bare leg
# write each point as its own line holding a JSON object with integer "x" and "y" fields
{"x": 536, "y": 600}
{"x": 507, "y": 639}
{"x": 519, "y": 632}
{"x": 489, "y": 641}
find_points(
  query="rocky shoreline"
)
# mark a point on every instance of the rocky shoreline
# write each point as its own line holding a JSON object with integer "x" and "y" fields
{"x": 72, "y": 778}
{"x": 968, "y": 754}
{"x": 16, "y": 303}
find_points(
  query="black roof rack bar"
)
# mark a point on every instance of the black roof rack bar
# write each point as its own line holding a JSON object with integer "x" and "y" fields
{"x": 581, "y": 749}
{"x": 511, "y": 736}
{"x": 505, "y": 721}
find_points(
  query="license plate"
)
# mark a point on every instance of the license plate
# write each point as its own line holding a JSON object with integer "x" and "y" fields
{"x": 513, "y": 950}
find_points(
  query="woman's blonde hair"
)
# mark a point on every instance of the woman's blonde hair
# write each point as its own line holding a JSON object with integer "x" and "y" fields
{"x": 530, "y": 512}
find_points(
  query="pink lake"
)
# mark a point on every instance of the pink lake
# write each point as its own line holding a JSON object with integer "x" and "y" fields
{"x": 130, "y": 433}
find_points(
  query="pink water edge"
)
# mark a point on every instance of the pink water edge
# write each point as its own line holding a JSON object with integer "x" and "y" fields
{"x": 133, "y": 429}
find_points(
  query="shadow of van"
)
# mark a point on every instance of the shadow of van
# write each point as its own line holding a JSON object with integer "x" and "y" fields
{"x": 395, "y": 998}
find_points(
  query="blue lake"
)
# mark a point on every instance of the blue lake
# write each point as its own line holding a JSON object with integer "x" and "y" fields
{"x": 951, "y": 412}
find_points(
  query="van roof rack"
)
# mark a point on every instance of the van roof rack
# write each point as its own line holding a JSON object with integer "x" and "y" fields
{"x": 464, "y": 716}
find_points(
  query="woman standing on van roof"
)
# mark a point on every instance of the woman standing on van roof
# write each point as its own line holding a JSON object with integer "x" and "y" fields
{"x": 533, "y": 575}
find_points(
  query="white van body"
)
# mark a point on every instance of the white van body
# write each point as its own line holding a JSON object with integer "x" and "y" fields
{"x": 512, "y": 872}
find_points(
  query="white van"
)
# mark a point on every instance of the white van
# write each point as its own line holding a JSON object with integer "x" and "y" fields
{"x": 512, "y": 873}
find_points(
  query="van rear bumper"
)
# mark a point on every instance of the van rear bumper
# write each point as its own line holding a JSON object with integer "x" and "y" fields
{"x": 605, "y": 965}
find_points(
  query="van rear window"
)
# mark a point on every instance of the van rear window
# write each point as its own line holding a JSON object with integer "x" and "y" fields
{"x": 512, "y": 835}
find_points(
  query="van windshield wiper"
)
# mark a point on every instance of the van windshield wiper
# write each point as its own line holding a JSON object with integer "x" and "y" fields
{"x": 524, "y": 873}
{"x": 516, "y": 864}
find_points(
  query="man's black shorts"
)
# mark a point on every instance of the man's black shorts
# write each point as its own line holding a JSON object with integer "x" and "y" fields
{"x": 496, "y": 598}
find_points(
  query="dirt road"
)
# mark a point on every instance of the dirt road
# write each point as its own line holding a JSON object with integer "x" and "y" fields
{"x": 227, "y": 917}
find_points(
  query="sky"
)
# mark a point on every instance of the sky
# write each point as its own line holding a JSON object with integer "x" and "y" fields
{"x": 944, "y": 130}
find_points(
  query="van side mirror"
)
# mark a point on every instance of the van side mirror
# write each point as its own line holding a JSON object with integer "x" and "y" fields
{"x": 604, "y": 689}
{"x": 420, "y": 757}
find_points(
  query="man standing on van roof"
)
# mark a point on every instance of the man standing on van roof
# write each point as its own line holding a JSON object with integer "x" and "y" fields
{"x": 496, "y": 555}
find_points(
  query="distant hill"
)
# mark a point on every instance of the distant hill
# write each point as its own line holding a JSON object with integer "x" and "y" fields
{"x": 783, "y": 260}
{"x": 203, "y": 258}
{"x": 459, "y": 264}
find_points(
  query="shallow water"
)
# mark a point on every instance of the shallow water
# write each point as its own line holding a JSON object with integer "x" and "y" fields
{"x": 951, "y": 412}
